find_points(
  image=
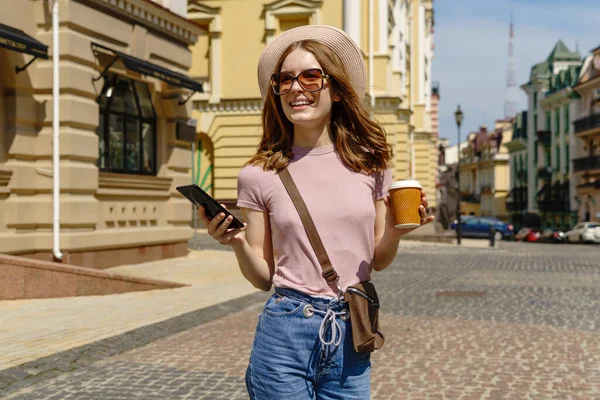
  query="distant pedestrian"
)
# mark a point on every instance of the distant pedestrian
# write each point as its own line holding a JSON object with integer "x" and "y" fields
{"x": 313, "y": 81}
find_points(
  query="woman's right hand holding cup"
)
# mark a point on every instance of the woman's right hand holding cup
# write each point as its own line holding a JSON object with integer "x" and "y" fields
{"x": 220, "y": 231}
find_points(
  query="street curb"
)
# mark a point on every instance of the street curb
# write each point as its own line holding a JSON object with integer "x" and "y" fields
{"x": 48, "y": 367}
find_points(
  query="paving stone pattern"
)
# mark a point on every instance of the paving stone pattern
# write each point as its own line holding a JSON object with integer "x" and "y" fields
{"x": 517, "y": 322}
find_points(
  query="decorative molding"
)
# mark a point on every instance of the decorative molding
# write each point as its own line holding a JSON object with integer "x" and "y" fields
{"x": 153, "y": 16}
{"x": 5, "y": 175}
{"x": 109, "y": 180}
{"x": 251, "y": 106}
{"x": 384, "y": 104}
{"x": 211, "y": 16}
{"x": 288, "y": 8}
{"x": 558, "y": 98}
{"x": 205, "y": 14}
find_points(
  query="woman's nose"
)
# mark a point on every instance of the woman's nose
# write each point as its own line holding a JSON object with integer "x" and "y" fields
{"x": 296, "y": 86}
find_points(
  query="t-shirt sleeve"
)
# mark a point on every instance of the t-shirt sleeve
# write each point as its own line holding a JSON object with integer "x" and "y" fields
{"x": 249, "y": 192}
{"x": 383, "y": 180}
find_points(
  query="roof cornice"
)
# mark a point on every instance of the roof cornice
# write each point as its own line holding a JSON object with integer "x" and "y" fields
{"x": 152, "y": 16}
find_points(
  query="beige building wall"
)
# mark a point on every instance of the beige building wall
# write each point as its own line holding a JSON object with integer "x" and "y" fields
{"x": 425, "y": 139}
{"x": 485, "y": 178}
{"x": 229, "y": 113}
{"x": 586, "y": 140}
{"x": 106, "y": 218}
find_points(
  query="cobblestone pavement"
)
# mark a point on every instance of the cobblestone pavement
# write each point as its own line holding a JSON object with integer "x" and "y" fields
{"x": 520, "y": 321}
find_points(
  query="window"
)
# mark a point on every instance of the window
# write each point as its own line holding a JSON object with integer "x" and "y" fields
{"x": 471, "y": 222}
{"x": 287, "y": 23}
{"x": 127, "y": 127}
{"x": 567, "y": 119}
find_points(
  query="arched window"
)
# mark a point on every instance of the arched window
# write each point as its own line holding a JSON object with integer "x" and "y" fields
{"x": 127, "y": 127}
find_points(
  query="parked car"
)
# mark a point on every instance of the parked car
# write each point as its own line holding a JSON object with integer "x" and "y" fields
{"x": 463, "y": 218}
{"x": 551, "y": 235}
{"x": 479, "y": 227}
{"x": 527, "y": 235}
{"x": 584, "y": 232}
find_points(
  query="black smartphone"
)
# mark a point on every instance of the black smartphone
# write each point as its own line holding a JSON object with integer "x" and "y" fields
{"x": 212, "y": 208}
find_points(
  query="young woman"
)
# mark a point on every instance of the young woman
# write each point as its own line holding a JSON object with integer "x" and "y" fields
{"x": 313, "y": 81}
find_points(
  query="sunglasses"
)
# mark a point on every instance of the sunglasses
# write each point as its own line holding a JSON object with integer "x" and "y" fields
{"x": 310, "y": 80}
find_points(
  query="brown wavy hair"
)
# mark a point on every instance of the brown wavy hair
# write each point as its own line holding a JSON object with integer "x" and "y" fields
{"x": 359, "y": 140}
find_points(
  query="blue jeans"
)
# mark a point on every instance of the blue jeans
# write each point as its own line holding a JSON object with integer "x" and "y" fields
{"x": 298, "y": 356}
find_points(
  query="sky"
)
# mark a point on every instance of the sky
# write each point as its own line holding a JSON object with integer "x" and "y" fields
{"x": 471, "y": 51}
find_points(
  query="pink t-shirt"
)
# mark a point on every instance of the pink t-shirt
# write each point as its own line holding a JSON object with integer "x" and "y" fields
{"x": 341, "y": 204}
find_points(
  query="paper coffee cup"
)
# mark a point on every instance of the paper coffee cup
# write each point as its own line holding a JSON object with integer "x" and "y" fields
{"x": 406, "y": 199}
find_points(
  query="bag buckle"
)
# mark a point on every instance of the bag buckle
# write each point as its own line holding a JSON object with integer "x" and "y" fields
{"x": 340, "y": 291}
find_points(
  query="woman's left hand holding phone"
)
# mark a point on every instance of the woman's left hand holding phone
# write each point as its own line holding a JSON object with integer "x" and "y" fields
{"x": 221, "y": 233}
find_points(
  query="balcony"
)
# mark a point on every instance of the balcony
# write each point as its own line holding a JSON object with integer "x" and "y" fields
{"x": 470, "y": 198}
{"x": 516, "y": 200}
{"x": 485, "y": 189}
{"x": 585, "y": 124}
{"x": 544, "y": 138}
{"x": 589, "y": 185}
{"x": 554, "y": 198}
{"x": 585, "y": 164}
{"x": 544, "y": 173}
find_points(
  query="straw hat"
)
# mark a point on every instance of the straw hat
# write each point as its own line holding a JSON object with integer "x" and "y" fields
{"x": 336, "y": 39}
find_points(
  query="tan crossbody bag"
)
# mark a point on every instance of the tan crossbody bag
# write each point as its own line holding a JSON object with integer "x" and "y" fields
{"x": 361, "y": 298}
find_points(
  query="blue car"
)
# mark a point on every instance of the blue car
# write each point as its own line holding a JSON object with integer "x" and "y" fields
{"x": 479, "y": 227}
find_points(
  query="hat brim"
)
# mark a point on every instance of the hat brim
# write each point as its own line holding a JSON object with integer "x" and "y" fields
{"x": 336, "y": 39}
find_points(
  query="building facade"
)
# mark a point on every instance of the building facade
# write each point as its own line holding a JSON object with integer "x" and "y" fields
{"x": 555, "y": 198}
{"x": 484, "y": 172}
{"x": 586, "y": 141}
{"x": 516, "y": 200}
{"x": 396, "y": 40}
{"x": 548, "y": 115}
{"x": 123, "y": 83}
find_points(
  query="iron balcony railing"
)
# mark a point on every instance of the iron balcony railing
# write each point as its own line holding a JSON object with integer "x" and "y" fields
{"x": 584, "y": 164}
{"x": 544, "y": 172}
{"x": 470, "y": 198}
{"x": 517, "y": 199}
{"x": 544, "y": 138}
{"x": 485, "y": 188}
{"x": 587, "y": 123}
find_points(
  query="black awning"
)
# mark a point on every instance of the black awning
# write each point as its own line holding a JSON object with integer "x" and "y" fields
{"x": 147, "y": 68}
{"x": 16, "y": 40}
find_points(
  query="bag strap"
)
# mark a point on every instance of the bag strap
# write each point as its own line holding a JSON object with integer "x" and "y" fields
{"x": 313, "y": 236}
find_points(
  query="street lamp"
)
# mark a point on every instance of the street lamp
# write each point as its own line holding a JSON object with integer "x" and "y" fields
{"x": 458, "y": 116}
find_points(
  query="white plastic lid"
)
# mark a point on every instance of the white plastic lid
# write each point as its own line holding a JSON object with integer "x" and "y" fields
{"x": 405, "y": 184}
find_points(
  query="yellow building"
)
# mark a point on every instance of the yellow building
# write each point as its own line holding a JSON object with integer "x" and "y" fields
{"x": 484, "y": 172}
{"x": 121, "y": 75}
{"x": 586, "y": 162}
{"x": 395, "y": 37}
{"x": 424, "y": 137}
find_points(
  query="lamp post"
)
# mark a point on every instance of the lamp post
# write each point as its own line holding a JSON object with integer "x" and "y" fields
{"x": 458, "y": 116}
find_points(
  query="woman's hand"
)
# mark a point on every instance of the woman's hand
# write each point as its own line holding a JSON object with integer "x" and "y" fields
{"x": 390, "y": 225}
{"x": 221, "y": 233}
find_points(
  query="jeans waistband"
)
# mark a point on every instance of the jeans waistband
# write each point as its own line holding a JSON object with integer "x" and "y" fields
{"x": 320, "y": 303}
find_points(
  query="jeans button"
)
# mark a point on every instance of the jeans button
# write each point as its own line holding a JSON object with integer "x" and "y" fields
{"x": 308, "y": 311}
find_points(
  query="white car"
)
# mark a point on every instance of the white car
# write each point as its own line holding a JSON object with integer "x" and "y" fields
{"x": 584, "y": 232}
